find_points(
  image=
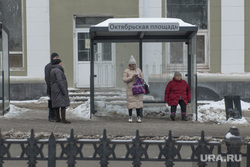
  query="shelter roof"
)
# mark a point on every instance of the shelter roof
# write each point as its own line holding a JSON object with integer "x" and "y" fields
{"x": 144, "y": 29}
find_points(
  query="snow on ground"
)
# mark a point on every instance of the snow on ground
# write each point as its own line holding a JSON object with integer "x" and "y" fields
{"x": 208, "y": 111}
{"x": 81, "y": 111}
{"x": 213, "y": 111}
{"x": 15, "y": 111}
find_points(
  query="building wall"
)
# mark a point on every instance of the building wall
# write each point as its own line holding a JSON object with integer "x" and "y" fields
{"x": 28, "y": 84}
{"x": 38, "y": 45}
{"x": 232, "y": 28}
{"x": 36, "y": 38}
{"x": 61, "y": 23}
{"x": 48, "y": 27}
{"x": 215, "y": 36}
{"x": 152, "y": 52}
{"x": 247, "y": 35}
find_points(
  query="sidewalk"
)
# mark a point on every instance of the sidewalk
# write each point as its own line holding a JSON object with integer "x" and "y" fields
{"x": 36, "y": 117}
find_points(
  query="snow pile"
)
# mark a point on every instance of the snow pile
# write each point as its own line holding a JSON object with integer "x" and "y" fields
{"x": 15, "y": 111}
{"x": 81, "y": 111}
{"x": 213, "y": 111}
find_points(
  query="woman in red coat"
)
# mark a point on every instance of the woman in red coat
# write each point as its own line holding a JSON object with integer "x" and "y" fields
{"x": 177, "y": 92}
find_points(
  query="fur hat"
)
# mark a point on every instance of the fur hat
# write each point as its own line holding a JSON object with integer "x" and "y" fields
{"x": 53, "y": 55}
{"x": 56, "y": 61}
{"x": 177, "y": 73}
{"x": 132, "y": 60}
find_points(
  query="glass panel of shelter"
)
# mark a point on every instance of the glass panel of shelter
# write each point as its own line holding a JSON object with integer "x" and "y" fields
{"x": 5, "y": 60}
{"x": 4, "y": 72}
{"x": 174, "y": 58}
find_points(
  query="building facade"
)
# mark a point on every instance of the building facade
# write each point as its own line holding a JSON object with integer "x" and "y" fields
{"x": 39, "y": 28}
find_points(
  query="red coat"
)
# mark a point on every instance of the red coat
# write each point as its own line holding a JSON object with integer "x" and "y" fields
{"x": 176, "y": 89}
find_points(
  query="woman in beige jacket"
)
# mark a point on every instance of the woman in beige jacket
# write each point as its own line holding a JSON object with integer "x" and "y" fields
{"x": 133, "y": 101}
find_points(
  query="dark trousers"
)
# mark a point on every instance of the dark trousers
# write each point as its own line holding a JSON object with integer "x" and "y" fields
{"x": 183, "y": 108}
{"x": 51, "y": 111}
{"x": 138, "y": 112}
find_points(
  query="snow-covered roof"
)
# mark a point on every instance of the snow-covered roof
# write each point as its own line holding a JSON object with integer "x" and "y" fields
{"x": 145, "y": 29}
{"x": 144, "y": 20}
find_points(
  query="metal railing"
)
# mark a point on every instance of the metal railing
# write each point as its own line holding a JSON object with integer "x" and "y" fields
{"x": 169, "y": 151}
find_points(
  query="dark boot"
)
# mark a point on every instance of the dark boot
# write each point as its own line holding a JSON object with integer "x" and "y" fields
{"x": 183, "y": 117}
{"x": 52, "y": 114}
{"x": 57, "y": 115}
{"x": 63, "y": 114}
{"x": 172, "y": 116}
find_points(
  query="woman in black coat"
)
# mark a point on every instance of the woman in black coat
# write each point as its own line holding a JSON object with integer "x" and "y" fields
{"x": 59, "y": 90}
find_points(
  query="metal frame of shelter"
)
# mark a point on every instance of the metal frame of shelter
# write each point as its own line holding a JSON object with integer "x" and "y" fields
{"x": 146, "y": 30}
{"x": 4, "y": 70}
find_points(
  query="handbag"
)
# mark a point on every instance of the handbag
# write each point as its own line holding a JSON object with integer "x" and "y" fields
{"x": 138, "y": 86}
{"x": 146, "y": 86}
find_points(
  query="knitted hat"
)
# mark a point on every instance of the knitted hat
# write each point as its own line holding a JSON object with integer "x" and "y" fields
{"x": 132, "y": 60}
{"x": 177, "y": 73}
{"x": 56, "y": 61}
{"x": 53, "y": 55}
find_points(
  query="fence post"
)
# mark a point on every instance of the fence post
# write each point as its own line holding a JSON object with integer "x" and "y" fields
{"x": 169, "y": 151}
{"x": 233, "y": 142}
{"x": 248, "y": 154}
{"x": 52, "y": 151}
{"x": 71, "y": 150}
{"x": 32, "y": 150}
{"x": 137, "y": 151}
{"x": 2, "y": 150}
{"x": 202, "y": 151}
{"x": 104, "y": 150}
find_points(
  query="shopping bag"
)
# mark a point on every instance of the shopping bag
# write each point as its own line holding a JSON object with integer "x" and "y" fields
{"x": 138, "y": 86}
{"x": 146, "y": 86}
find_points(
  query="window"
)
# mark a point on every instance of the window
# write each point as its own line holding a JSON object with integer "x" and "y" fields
{"x": 106, "y": 52}
{"x": 194, "y": 12}
{"x": 102, "y": 50}
{"x": 87, "y": 21}
{"x": 11, "y": 17}
{"x": 177, "y": 59}
{"x": 83, "y": 47}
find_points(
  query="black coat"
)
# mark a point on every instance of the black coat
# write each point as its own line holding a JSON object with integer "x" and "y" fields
{"x": 59, "y": 87}
{"x": 47, "y": 70}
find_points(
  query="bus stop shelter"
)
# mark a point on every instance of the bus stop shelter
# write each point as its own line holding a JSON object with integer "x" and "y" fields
{"x": 143, "y": 30}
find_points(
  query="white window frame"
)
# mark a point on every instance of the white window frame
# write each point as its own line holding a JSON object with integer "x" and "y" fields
{"x": 23, "y": 44}
{"x": 174, "y": 66}
{"x": 206, "y": 65}
{"x": 200, "y": 67}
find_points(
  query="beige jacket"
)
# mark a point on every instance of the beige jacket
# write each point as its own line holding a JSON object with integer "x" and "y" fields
{"x": 133, "y": 101}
